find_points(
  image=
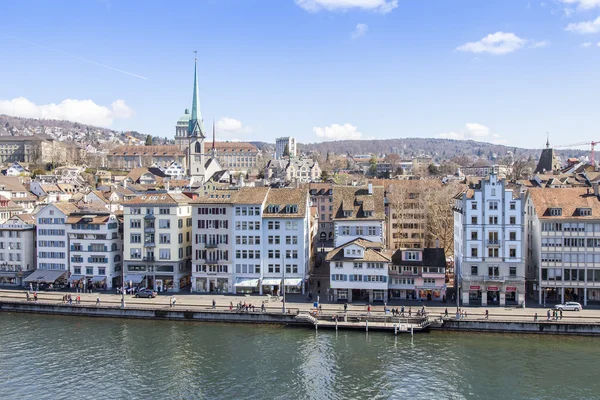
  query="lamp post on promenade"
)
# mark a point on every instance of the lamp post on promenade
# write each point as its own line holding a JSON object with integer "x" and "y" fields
{"x": 283, "y": 278}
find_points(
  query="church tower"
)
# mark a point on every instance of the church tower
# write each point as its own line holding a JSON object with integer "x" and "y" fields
{"x": 196, "y": 137}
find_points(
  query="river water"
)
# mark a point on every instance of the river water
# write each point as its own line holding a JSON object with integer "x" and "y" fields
{"x": 51, "y": 357}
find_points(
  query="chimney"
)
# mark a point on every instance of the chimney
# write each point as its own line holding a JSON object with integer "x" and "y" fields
{"x": 124, "y": 183}
{"x": 437, "y": 243}
{"x": 167, "y": 184}
{"x": 370, "y": 188}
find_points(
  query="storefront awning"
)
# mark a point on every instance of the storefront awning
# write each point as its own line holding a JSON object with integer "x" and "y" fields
{"x": 98, "y": 278}
{"x": 271, "y": 282}
{"x": 74, "y": 278}
{"x": 134, "y": 278}
{"x": 241, "y": 282}
{"x": 293, "y": 282}
{"x": 44, "y": 276}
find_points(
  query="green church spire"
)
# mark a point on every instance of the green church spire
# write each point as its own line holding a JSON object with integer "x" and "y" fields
{"x": 195, "y": 127}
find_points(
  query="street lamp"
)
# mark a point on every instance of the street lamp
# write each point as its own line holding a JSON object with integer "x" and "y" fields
{"x": 283, "y": 278}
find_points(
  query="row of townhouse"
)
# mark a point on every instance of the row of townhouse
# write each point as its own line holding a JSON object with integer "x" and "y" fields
{"x": 542, "y": 243}
{"x": 252, "y": 240}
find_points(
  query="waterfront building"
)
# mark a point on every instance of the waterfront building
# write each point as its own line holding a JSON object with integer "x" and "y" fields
{"x": 12, "y": 188}
{"x": 212, "y": 245}
{"x": 418, "y": 274}
{"x": 287, "y": 241}
{"x": 563, "y": 244}
{"x": 157, "y": 241}
{"x": 95, "y": 248}
{"x": 17, "y": 249}
{"x": 8, "y": 208}
{"x": 285, "y": 147}
{"x": 358, "y": 212}
{"x": 488, "y": 244}
{"x": 52, "y": 243}
{"x": 359, "y": 271}
{"x": 321, "y": 197}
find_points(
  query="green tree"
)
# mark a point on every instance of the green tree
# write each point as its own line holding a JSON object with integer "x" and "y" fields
{"x": 373, "y": 166}
{"x": 324, "y": 175}
{"x": 149, "y": 140}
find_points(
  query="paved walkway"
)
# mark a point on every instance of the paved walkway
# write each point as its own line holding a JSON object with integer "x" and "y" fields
{"x": 300, "y": 303}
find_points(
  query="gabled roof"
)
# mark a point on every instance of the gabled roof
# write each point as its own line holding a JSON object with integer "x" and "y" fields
{"x": 357, "y": 201}
{"x": 570, "y": 200}
{"x": 432, "y": 257}
{"x": 371, "y": 254}
{"x": 286, "y": 197}
{"x": 159, "y": 198}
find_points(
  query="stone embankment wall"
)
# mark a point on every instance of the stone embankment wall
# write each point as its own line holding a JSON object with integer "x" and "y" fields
{"x": 544, "y": 327}
{"x": 175, "y": 314}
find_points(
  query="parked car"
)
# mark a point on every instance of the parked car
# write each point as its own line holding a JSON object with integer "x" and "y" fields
{"x": 569, "y": 306}
{"x": 146, "y": 293}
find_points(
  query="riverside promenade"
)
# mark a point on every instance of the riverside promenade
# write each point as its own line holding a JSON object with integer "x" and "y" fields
{"x": 199, "y": 307}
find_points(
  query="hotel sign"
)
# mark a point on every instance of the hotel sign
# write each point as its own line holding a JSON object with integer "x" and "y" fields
{"x": 493, "y": 288}
{"x": 474, "y": 287}
{"x": 511, "y": 288}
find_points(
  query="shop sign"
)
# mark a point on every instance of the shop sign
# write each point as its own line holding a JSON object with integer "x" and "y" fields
{"x": 511, "y": 288}
{"x": 493, "y": 288}
{"x": 474, "y": 287}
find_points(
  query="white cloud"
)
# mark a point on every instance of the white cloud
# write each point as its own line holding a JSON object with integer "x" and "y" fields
{"x": 583, "y": 4}
{"x": 338, "y": 132}
{"x": 535, "y": 44}
{"x": 586, "y": 44}
{"x": 584, "y": 27}
{"x": 495, "y": 43}
{"x": 472, "y": 131}
{"x": 383, "y": 6}
{"x": 598, "y": 44}
{"x": 83, "y": 111}
{"x": 231, "y": 125}
{"x": 360, "y": 30}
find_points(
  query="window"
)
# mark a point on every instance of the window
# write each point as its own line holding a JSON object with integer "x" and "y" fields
{"x": 473, "y": 205}
{"x": 513, "y": 220}
{"x": 89, "y": 270}
{"x": 513, "y": 205}
{"x": 493, "y": 205}
{"x": 474, "y": 235}
{"x": 164, "y": 254}
{"x": 136, "y": 238}
{"x": 372, "y": 231}
{"x": 273, "y": 225}
{"x": 556, "y": 212}
{"x": 164, "y": 223}
{"x": 291, "y": 240}
{"x": 101, "y": 271}
{"x": 473, "y": 220}
{"x": 513, "y": 271}
{"x": 493, "y": 220}
{"x": 493, "y": 252}
{"x": 512, "y": 253}
{"x": 136, "y": 223}
{"x": 474, "y": 252}
{"x": 164, "y": 211}
{"x": 412, "y": 255}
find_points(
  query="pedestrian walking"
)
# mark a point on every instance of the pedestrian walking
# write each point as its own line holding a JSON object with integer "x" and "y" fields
{"x": 346, "y": 307}
{"x": 174, "y": 301}
{"x": 34, "y": 296}
{"x": 535, "y": 317}
{"x": 369, "y": 310}
{"x": 214, "y": 304}
{"x": 262, "y": 307}
{"x": 98, "y": 300}
{"x": 318, "y": 299}
{"x": 487, "y": 314}
{"x": 548, "y": 314}
{"x": 230, "y": 306}
{"x": 446, "y": 313}
{"x": 320, "y": 309}
{"x": 409, "y": 311}
{"x": 402, "y": 311}
{"x": 171, "y": 301}
{"x": 560, "y": 313}
{"x": 27, "y": 294}
{"x": 78, "y": 299}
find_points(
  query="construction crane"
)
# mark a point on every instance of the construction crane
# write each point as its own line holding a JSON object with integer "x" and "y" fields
{"x": 591, "y": 144}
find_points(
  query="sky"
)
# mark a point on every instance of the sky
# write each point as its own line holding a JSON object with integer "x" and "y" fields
{"x": 502, "y": 71}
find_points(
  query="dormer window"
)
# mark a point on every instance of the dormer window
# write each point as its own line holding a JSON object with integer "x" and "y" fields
{"x": 274, "y": 208}
{"x": 556, "y": 212}
{"x": 347, "y": 213}
{"x": 584, "y": 212}
{"x": 368, "y": 213}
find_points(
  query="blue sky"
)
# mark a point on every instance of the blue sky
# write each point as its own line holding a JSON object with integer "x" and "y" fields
{"x": 495, "y": 70}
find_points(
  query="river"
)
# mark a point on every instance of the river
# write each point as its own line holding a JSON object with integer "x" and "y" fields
{"x": 51, "y": 357}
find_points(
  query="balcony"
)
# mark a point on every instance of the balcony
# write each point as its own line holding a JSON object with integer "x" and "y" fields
{"x": 149, "y": 229}
{"x": 493, "y": 243}
{"x": 148, "y": 258}
{"x": 211, "y": 262}
{"x": 494, "y": 278}
{"x": 211, "y": 245}
{"x": 149, "y": 243}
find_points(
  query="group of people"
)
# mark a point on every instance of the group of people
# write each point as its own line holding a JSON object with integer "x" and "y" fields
{"x": 67, "y": 298}
{"x": 172, "y": 301}
{"x": 35, "y": 296}
{"x": 556, "y": 315}
{"x": 400, "y": 312}
{"x": 245, "y": 307}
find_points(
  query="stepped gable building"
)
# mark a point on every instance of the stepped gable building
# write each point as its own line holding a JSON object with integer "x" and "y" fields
{"x": 488, "y": 244}
{"x": 547, "y": 162}
{"x": 17, "y": 249}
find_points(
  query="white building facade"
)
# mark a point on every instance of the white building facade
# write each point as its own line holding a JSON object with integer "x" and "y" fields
{"x": 280, "y": 147}
{"x": 95, "y": 250}
{"x": 17, "y": 250}
{"x": 488, "y": 244}
{"x": 157, "y": 241}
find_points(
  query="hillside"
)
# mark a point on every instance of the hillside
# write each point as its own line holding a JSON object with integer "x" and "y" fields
{"x": 439, "y": 149}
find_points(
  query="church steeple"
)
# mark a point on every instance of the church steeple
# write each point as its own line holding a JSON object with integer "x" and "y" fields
{"x": 213, "y": 150}
{"x": 195, "y": 127}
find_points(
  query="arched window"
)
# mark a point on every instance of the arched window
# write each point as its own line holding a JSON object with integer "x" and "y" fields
{"x": 198, "y": 150}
